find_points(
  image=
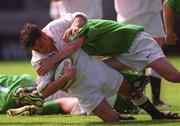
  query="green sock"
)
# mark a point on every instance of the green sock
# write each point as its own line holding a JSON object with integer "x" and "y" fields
{"x": 51, "y": 107}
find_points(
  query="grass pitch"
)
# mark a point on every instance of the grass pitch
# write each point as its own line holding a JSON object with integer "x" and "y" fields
{"x": 170, "y": 94}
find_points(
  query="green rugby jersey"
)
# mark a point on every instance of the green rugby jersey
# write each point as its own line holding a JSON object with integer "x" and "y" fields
{"x": 9, "y": 85}
{"x": 175, "y": 4}
{"x": 107, "y": 38}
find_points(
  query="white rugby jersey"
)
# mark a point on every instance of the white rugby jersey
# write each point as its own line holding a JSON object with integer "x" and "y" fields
{"x": 54, "y": 29}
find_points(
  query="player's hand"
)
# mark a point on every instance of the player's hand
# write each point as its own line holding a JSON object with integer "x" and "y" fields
{"x": 45, "y": 66}
{"x": 72, "y": 31}
{"x": 70, "y": 73}
{"x": 170, "y": 39}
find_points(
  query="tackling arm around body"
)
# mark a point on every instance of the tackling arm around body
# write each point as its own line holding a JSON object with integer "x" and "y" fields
{"x": 47, "y": 64}
{"x": 58, "y": 84}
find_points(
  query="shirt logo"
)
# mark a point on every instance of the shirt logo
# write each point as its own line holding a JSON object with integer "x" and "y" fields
{"x": 148, "y": 55}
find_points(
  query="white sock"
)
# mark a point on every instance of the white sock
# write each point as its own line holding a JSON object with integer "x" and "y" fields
{"x": 140, "y": 100}
{"x": 153, "y": 73}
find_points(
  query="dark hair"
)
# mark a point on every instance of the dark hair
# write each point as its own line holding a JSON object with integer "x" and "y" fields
{"x": 29, "y": 34}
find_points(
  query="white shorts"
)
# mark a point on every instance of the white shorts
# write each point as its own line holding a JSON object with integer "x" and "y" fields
{"x": 111, "y": 100}
{"x": 95, "y": 81}
{"x": 152, "y": 23}
{"x": 142, "y": 52}
{"x": 77, "y": 109}
{"x": 57, "y": 95}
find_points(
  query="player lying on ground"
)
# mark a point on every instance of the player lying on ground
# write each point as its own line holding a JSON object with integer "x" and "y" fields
{"x": 61, "y": 102}
{"x": 14, "y": 98}
{"x": 90, "y": 86}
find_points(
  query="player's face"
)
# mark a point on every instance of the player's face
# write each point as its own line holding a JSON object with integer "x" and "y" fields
{"x": 44, "y": 44}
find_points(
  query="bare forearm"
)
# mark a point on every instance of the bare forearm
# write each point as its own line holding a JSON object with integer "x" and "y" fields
{"x": 54, "y": 86}
{"x": 70, "y": 49}
{"x": 168, "y": 16}
{"x": 62, "y": 54}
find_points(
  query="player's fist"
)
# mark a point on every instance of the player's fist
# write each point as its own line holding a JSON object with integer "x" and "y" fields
{"x": 170, "y": 39}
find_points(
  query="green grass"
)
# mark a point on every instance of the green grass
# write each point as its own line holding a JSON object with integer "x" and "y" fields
{"x": 170, "y": 94}
{"x": 16, "y": 67}
{"x": 59, "y": 120}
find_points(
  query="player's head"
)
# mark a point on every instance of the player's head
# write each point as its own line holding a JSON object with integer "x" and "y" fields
{"x": 33, "y": 38}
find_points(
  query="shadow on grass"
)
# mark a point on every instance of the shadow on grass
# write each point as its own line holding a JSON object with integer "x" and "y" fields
{"x": 40, "y": 123}
{"x": 134, "y": 123}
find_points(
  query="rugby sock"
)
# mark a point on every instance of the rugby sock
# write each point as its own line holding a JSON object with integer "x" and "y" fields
{"x": 150, "y": 109}
{"x": 144, "y": 103}
{"x": 155, "y": 88}
{"x": 155, "y": 81}
{"x": 51, "y": 107}
{"x": 141, "y": 100}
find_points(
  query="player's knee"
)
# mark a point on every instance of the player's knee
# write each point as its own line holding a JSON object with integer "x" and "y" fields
{"x": 106, "y": 112}
{"x": 111, "y": 118}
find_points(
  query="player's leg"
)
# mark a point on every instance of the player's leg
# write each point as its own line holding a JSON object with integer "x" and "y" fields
{"x": 124, "y": 104}
{"x": 166, "y": 69}
{"x": 49, "y": 108}
{"x": 140, "y": 99}
{"x": 136, "y": 93}
{"x": 93, "y": 99}
{"x": 155, "y": 82}
{"x": 66, "y": 105}
{"x": 107, "y": 114}
{"x": 145, "y": 52}
{"x": 155, "y": 78}
{"x": 52, "y": 107}
{"x": 62, "y": 105}
{"x": 117, "y": 65}
{"x": 151, "y": 21}
{"x": 66, "y": 102}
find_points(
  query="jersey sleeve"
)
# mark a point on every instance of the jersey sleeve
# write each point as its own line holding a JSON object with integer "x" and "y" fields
{"x": 59, "y": 26}
{"x": 42, "y": 81}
